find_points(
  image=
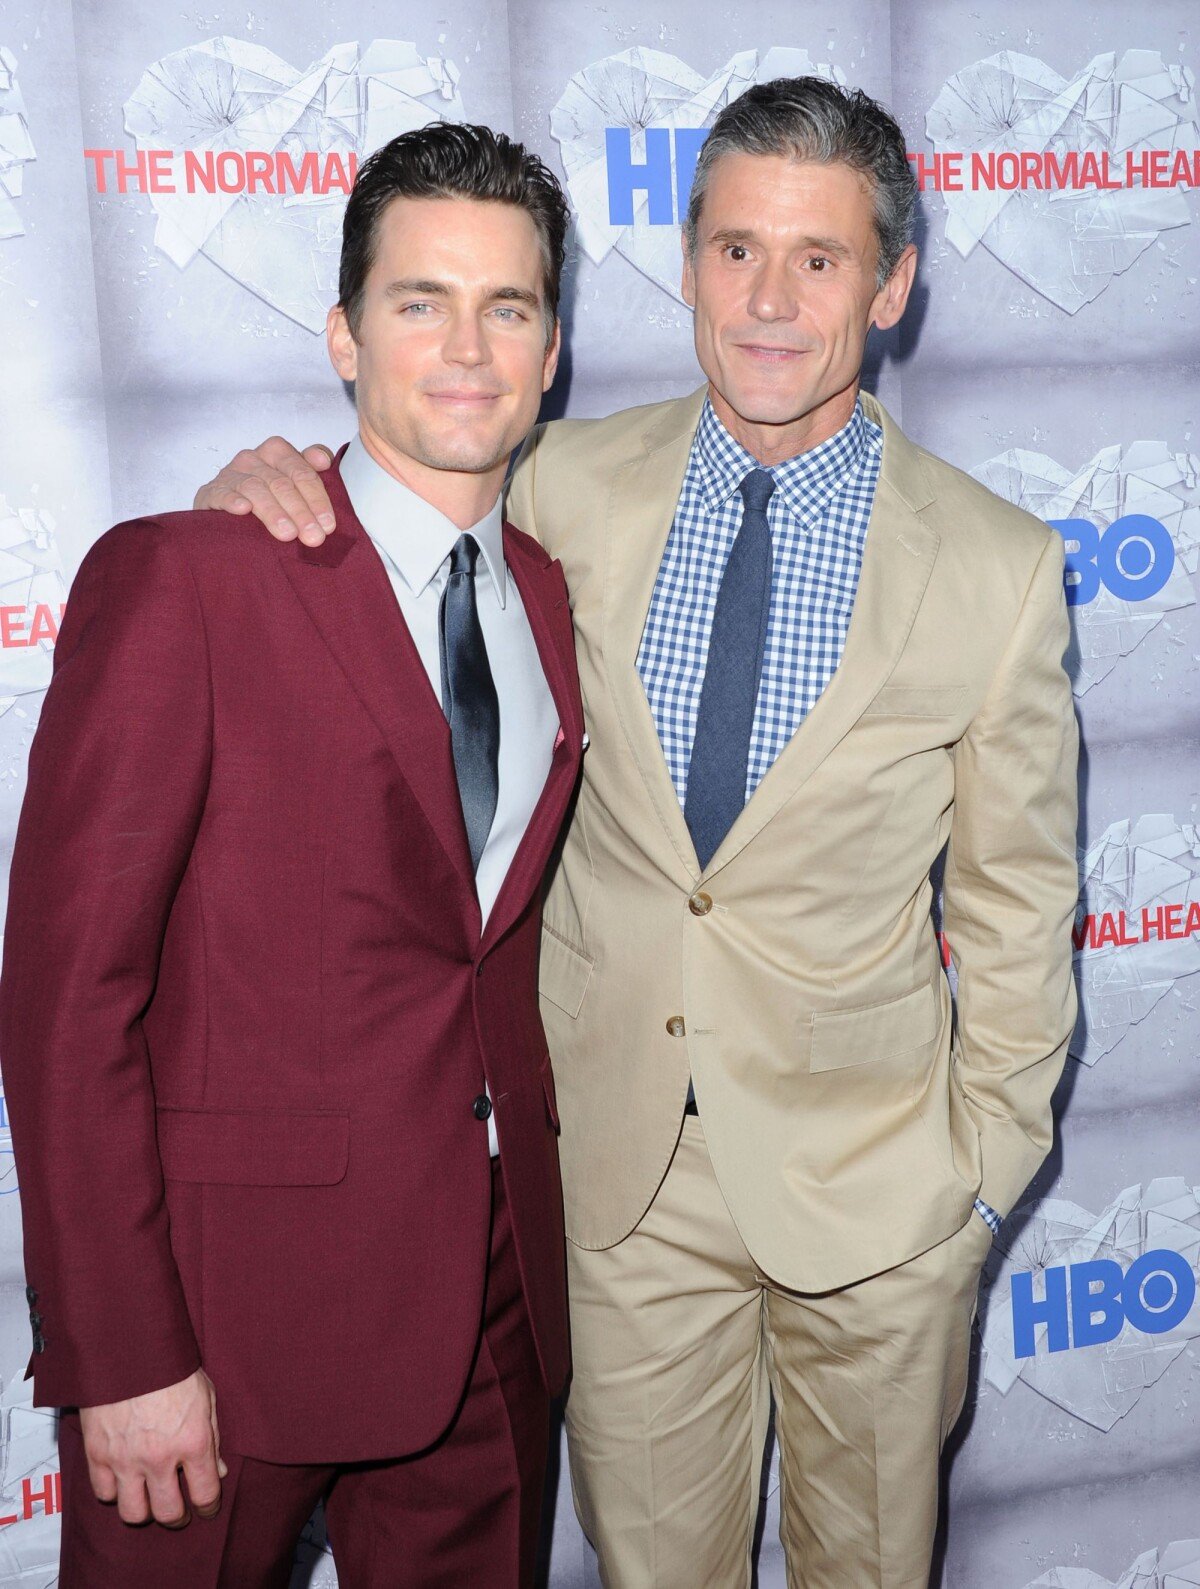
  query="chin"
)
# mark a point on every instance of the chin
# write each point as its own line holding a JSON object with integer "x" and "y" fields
{"x": 758, "y": 407}
{"x": 463, "y": 458}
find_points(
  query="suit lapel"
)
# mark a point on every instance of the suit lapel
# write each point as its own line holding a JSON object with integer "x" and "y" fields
{"x": 898, "y": 558}
{"x": 640, "y": 514}
{"x": 345, "y": 589}
{"x": 544, "y": 596}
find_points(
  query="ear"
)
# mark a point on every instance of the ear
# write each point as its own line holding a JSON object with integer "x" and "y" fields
{"x": 550, "y": 361}
{"x": 688, "y": 283}
{"x": 339, "y": 339}
{"x": 890, "y": 301}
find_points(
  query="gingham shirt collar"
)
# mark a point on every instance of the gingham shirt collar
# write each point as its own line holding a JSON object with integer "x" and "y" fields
{"x": 806, "y": 483}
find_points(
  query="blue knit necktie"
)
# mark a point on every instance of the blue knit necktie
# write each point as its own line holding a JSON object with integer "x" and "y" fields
{"x": 716, "y": 786}
{"x": 469, "y": 698}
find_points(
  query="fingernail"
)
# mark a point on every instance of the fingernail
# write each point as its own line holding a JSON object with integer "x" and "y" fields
{"x": 326, "y": 520}
{"x": 209, "y": 1511}
{"x": 180, "y": 1522}
{"x": 222, "y": 1469}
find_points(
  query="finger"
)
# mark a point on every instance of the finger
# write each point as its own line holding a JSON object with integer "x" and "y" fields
{"x": 166, "y": 1498}
{"x": 278, "y": 454}
{"x": 222, "y": 1469}
{"x": 203, "y": 1481}
{"x": 320, "y": 457}
{"x": 132, "y": 1502}
{"x": 219, "y": 497}
{"x": 104, "y": 1481}
{"x": 312, "y": 488}
{"x": 292, "y": 502}
{"x": 265, "y": 506}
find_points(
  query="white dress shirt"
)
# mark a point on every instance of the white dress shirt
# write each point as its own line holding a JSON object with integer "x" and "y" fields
{"x": 415, "y": 541}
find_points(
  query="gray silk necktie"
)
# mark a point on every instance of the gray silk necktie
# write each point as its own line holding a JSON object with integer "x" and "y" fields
{"x": 469, "y": 698}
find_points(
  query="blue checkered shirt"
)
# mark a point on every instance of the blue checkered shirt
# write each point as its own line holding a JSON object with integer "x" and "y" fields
{"x": 818, "y": 515}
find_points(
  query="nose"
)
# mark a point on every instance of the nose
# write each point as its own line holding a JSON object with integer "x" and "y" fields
{"x": 773, "y": 295}
{"x": 466, "y": 342}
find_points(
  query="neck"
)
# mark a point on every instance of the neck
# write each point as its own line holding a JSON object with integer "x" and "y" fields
{"x": 770, "y": 444}
{"x": 463, "y": 497}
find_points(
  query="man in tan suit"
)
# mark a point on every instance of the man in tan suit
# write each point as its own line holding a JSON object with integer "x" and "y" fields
{"x": 812, "y": 657}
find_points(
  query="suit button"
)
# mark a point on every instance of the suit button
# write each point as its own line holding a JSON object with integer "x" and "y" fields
{"x": 31, "y": 1296}
{"x": 39, "y": 1344}
{"x": 36, "y": 1320}
{"x": 482, "y": 1106}
{"x": 700, "y": 904}
{"x": 676, "y": 1026}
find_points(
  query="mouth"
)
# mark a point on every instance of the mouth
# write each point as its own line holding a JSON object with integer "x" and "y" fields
{"x": 770, "y": 353}
{"x": 464, "y": 399}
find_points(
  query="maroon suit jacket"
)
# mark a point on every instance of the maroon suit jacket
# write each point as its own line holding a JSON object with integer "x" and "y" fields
{"x": 246, "y": 1009}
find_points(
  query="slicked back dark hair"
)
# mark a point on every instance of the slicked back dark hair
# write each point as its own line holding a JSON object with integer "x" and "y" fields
{"x": 449, "y": 159}
{"x": 810, "y": 118}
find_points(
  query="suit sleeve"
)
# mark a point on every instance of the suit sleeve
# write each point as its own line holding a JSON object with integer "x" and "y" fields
{"x": 117, "y": 777}
{"x": 1011, "y": 885}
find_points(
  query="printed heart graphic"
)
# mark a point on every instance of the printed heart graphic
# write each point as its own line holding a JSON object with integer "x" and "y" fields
{"x": 16, "y": 146}
{"x": 1177, "y": 1566}
{"x": 1097, "y": 1384}
{"x": 1143, "y": 478}
{"x": 229, "y": 95}
{"x": 640, "y": 89}
{"x": 1068, "y": 245}
{"x": 1139, "y": 884}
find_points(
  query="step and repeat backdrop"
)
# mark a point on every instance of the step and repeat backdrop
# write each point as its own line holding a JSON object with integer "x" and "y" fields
{"x": 171, "y": 190}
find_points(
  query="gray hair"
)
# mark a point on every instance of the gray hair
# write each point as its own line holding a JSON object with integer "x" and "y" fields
{"x": 810, "y": 118}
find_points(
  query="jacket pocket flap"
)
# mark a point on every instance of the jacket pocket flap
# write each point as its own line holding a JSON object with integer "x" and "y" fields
{"x": 841, "y": 1038}
{"x": 934, "y": 700}
{"x": 563, "y": 973}
{"x": 253, "y": 1147}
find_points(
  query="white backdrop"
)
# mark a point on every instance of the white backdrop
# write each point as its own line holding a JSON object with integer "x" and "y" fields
{"x": 1052, "y": 349}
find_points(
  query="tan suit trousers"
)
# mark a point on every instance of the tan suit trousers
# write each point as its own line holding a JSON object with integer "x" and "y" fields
{"x": 677, "y": 1336}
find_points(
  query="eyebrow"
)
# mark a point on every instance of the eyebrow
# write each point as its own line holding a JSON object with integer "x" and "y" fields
{"x": 407, "y": 285}
{"x": 827, "y": 245}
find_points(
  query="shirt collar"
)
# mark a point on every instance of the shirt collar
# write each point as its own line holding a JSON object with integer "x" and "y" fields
{"x": 414, "y": 536}
{"x": 805, "y": 482}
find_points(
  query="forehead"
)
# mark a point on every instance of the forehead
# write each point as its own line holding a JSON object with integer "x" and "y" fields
{"x": 459, "y": 240}
{"x": 777, "y": 195}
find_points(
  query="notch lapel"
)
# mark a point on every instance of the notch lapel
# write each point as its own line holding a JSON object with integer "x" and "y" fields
{"x": 346, "y": 592}
{"x": 641, "y": 511}
{"x": 544, "y": 596}
{"x": 898, "y": 558}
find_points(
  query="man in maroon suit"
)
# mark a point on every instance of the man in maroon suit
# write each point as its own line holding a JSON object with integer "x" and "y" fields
{"x": 281, "y": 1104}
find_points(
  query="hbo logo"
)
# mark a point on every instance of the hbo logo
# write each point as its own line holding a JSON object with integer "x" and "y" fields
{"x": 1089, "y": 1303}
{"x": 1132, "y": 558}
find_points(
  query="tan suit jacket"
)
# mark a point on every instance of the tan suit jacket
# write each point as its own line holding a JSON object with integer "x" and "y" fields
{"x": 850, "y": 1122}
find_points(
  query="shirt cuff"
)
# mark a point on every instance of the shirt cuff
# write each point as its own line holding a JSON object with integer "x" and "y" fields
{"x": 989, "y": 1216}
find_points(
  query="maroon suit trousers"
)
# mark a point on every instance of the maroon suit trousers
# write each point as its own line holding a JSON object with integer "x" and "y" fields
{"x": 462, "y": 1513}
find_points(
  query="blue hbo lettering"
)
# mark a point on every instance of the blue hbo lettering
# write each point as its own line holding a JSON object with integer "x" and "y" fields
{"x": 1087, "y": 1304}
{"x": 666, "y": 182}
{"x": 1132, "y": 559}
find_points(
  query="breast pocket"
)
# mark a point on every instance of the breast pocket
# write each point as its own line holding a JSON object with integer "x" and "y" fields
{"x": 563, "y": 973}
{"x": 842, "y": 1039}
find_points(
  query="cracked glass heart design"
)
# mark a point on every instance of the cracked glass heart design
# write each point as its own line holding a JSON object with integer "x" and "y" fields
{"x": 1145, "y": 478}
{"x": 227, "y": 95}
{"x": 1097, "y": 1384}
{"x": 1066, "y": 244}
{"x": 642, "y": 91}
